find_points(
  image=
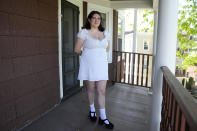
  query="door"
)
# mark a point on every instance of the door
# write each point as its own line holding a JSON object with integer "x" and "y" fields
{"x": 70, "y": 61}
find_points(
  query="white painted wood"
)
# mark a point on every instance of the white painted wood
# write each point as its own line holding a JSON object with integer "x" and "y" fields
{"x": 122, "y": 4}
{"x": 155, "y": 4}
{"x": 109, "y": 22}
{"x": 60, "y": 48}
{"x": 134, "y": 31}
{"x": 131, "y": 4}
{"x": 80, "y": 5}
{"x": 105, "y": 3}
{"x": 165, "y": 53}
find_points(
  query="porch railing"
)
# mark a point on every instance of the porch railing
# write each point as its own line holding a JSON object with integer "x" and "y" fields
{"x": 132, "y": 68}
{"x": 179, "y": 110}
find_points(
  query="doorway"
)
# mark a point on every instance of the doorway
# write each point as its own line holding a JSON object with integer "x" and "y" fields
{"x": 70, "y": 61}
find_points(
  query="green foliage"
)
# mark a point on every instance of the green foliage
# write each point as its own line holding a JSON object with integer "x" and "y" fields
{"x": 186, "y": 35}
{"x": 148, "y": 20}
{"x": 189, "y": 83}
{"x": 119, "y": 26}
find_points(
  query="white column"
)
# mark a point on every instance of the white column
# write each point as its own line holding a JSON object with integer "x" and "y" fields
{"x": 165, "y": 54}
{"x": 123, "y": 36}
{"x": 135, "y": 30}
{"x": 60, "y": 48}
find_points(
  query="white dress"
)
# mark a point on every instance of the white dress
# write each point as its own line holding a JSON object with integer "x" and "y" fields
{"x": 93, "y": 61}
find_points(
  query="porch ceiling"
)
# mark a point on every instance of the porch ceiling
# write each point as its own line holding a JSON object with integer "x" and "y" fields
{"x": 122, "y": 4}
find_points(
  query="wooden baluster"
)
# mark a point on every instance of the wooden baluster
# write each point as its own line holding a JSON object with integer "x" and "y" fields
{"x": 170, "y": 110}
{"x": 129, "y": 68}
{"x": 147, "y": 71}
{"x": 187, "y": 127}
{"x": 166, "y": 106}
{"x": 116, "y": 77}
{"x": 183, "y": 122}
{"x": 125, "y": 66}
{"x": 114, "y": 65}
{"x": 163, "y": 105}
{"x": 177, "y": 123}
{"x": 142, "y": 70}
{"x": 161, "y": 123}
{"x": 138, "y": 69}
{"x": 120, "y": 78}
{"x": 173, "y": 113}
{"x": 133, "y": 74}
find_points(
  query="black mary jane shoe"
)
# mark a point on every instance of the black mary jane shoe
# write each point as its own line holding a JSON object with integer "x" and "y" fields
{"x": 109, "y": 126}
{"x": 92, "y": 118}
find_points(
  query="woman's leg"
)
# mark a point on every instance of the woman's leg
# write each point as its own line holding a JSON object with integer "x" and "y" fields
{"x": 90, "y": 90}
{"x": 101, "y": 87}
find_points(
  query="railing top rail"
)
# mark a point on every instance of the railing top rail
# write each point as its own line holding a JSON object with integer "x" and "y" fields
{"x": 184, "y": 99}
{"x": 133, "y": 53}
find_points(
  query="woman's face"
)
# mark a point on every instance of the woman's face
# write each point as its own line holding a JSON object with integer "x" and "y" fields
{"x": 95, "y": 21}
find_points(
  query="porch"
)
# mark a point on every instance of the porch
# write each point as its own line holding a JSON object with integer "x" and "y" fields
{"x": 31, "y": 80}
{"x": 127, "y": 107}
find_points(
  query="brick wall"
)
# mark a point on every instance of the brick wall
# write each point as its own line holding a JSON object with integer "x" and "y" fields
{"x": 29, "y": 80}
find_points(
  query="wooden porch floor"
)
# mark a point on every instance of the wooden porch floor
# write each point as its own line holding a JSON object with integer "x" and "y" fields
{"x": 128, "y": 108}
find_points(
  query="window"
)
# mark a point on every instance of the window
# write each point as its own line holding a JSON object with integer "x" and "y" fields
{"x": 145, "y": 43}
{"x": 103, "y": 15}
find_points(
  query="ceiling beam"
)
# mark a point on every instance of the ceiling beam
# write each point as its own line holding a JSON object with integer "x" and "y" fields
{"x": 131, "y": 4}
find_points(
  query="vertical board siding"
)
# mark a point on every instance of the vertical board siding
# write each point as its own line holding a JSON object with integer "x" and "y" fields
{"x": 29, "y": 76}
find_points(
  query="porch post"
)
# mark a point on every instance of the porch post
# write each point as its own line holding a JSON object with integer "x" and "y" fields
{"x": 165, "y": 54}
{"x": 135, "y": 30}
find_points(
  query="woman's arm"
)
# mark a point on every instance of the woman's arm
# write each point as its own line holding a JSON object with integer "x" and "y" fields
{"x": 78, "y": 46}
{"x": 108, "y": 46}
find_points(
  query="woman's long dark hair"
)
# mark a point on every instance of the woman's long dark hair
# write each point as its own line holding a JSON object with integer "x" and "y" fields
{"x": 87, "y": 24}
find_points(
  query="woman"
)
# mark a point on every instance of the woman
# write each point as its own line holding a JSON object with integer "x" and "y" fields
{"x": 93, "y": 63}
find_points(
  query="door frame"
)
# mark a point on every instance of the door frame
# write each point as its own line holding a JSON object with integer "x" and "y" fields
{"x": 60, "y": 48}
{"x": 67, "y": 90}
{"x": 80, "y": 5}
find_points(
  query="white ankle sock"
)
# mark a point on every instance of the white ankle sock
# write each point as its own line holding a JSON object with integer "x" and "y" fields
{"x": 103, "y": 115}
{"x": 92, "y": 109}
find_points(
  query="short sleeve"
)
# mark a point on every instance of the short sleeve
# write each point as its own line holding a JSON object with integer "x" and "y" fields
{"x": 82, "y": 34}
{"x": 107, "y": 35}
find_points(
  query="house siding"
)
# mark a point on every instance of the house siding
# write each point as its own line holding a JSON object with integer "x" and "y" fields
{"x": 29, "y": 74}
